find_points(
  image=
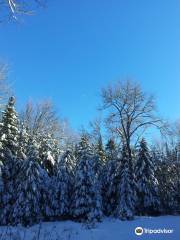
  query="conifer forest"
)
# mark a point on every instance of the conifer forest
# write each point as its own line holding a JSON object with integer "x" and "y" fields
{"x": 49, "y": 172}
{"x": 89, "y": 120}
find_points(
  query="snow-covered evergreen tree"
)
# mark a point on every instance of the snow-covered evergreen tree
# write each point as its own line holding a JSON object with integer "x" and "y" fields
{"x": 110, "y": 150}
{"x": 1, "y": 190}
{"x": 110, "y": 179}
{"x": 125, "y": 209}
{"x": 9, "y": 136}
{"x": 64, "y": 184}
{"x": 49, "y": 151}
{"x": 147, "y": 184}
{"x": 9, "y": 129}
{"x": 10, "y": 170}
{"x": 23, "y": 142}
{"x": 27, "y": 208}
{"x": 99, "y": 149}
{"x": 47, "y": 200}
{"x": 177, "y": 187}
{"x": 87, "y": 198}
{"x": 168, "y": 175}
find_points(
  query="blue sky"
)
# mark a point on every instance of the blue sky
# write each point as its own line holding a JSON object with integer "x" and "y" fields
{"x": 70, "y": 50}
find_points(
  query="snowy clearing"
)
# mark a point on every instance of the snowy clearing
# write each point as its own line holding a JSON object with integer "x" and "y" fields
{"x": 109, "y": 229}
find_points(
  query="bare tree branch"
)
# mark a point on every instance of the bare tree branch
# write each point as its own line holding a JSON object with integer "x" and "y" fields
{"x": 12, "y": 9}
{"x": 4, "y": 86}
{"x": 42, "y": 119}
{"x": 131, "y": 111}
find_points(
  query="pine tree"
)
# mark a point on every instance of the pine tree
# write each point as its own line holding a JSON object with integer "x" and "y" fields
{"x": 23, "y": 142}
{"x": 147, "y": 184}
{"x": 9, "y": 129}
{"x": 1, "y": 190}
{"x": 111, "y": 149}
{"x": 168, "y": 175}
{"x": 99, "y": 149}
{"x": 46, "y": 153}
{"x": 87, "y": 199}
{"x": 125, "y": 209}
{"x": 110, "y": 178}
{"x": 10, "y": 170}
{"x": 9, "y": 150}
{"x": 177, "y": 187}
{"x": 47, "y": 196}
{"x": 47, "y": 207}
{"x": 64, "y": 184}
{"x": 27, "y": 208}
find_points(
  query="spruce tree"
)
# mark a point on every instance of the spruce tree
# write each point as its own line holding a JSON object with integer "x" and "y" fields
{"x": 147, "y": 184}
{"x": 47, "y": 210}
{"x": 47, "y": 196}
{"x": 46, "y": 153}
{"x": 64, "y": 184}
{"x": 99, "y": 149}
{"x": 10, "y": 170}
{"x": 23, "y": 141}
{"x": 27, "y": 208}
{"x": 1, "y": 191}
{"x": 110, "y": 179}
{"x": 87, "y": 198}
{"x": 9, "y": 137}
{"x": 9, "y": 129}
{"x": 168, "y": 175}
{"x": 125, "y": 209}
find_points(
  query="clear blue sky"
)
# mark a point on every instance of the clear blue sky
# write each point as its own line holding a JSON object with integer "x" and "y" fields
{"x": 73, "y": 48}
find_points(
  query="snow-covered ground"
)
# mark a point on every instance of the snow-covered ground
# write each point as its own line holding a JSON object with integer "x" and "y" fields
{"x": 109, "y": 229}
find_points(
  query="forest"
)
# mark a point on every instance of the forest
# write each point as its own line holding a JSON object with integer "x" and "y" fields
{"x": 49, "y": 172}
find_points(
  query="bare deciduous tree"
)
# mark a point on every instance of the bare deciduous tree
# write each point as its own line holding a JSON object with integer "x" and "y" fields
{"x": 131, "y": 112}
{"x": 4, "y": 87}
{"x": 177, "y": 128}
{"x": 96, "y": 129}
{"x": 175, "y": 137}
{"x": 13, "y": 8}
{"x": 42, "y": 118}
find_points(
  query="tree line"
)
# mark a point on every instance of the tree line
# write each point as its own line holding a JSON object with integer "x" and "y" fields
{"x": 45, "y": 178}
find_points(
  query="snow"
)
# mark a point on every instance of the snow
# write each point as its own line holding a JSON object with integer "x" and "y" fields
{"x": 108, "y": 229}
{"x": 50, "y": 158}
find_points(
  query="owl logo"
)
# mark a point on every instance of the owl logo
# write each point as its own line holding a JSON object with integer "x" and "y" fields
{"x": 139, "y": 231}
